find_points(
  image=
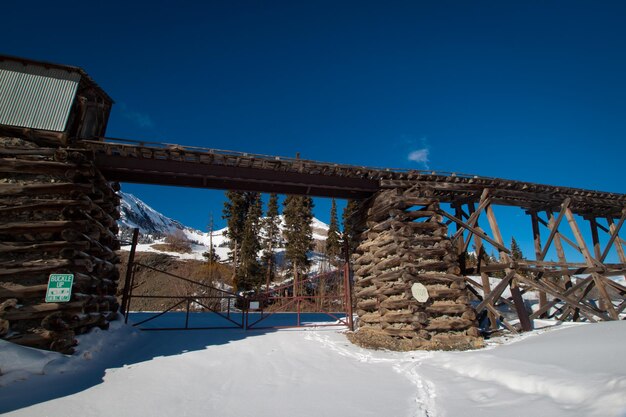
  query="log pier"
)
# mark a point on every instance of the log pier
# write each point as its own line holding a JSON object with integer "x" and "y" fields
{"x": 405, "y": 245}
{"x": 58, "y": 216}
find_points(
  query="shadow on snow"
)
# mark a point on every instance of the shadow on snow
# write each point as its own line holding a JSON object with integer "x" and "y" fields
{"x": 100, "y": 351}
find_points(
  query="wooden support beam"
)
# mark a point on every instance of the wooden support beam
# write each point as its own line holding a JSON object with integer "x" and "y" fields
{"x": 524, "y": 318}
{"x": 558, "y": 237}
{"x": 607, "y": 230}
{"x": 460, "y": 243}
{"x": 556, "y": 300}
{"x": 504, "y": 257}
{"x": 555, "y": 228}
{"x": 614, "y": 234}
{"x": 484, "y": 201}
{"x": 567, "y": 282}
{"x": 471, "y": 209}
{"x": 475, "y": 231}
{"x": 484, "y": 278}
{"x": 591, "y": 262}
{"x": 558, "y": 293}
{"x": 593, "y": 224}
{"x": 497, "y": 291}
{"x": 537, "y": 241}
{"x": 504, "y": 322}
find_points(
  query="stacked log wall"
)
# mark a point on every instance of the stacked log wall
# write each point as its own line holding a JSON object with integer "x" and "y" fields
{"x": 404, "y": 242}
{"x": 58, "y": 215}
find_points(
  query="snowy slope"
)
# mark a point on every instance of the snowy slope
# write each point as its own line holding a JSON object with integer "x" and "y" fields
{"x": 560, "y": 371}
{"x": 135, "y": 213}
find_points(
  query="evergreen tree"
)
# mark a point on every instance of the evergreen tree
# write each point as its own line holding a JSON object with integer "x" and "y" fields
{"x": 349, "y": 234}
{"x": 516, "y": 251}
{"x": 242, "y": 210}
{"x": 333, "y": 243}
{"x": 249, "y": 273}
{"x": 298, "y": 214}
{"x": 234, "y": 213}
{"x": 271, "y": 239}
{"x": 210, "y": 255}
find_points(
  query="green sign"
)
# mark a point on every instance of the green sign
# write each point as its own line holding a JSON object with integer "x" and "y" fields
{"x": 59, "y": 288}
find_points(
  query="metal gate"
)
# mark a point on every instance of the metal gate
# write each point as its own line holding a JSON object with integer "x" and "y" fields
{"x": 303, "y": 303}
{"x": 320, "y": 300}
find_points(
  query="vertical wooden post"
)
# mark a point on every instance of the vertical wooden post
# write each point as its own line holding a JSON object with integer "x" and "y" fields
{"x": 129, "y": 272}
{"x": 597, "y": 251}
{"x": 347, "y": 287}
{"x": 615, "y": 239}
{"x": 590, "y": 262}
{"x": 543, "y": 299}
{"x": 593, "y": 224}
{"x": 484, "y": 277}
{"x": 553, "y": 225}
{"x": 515, "y": 292}
{"x": 460, "y": 243}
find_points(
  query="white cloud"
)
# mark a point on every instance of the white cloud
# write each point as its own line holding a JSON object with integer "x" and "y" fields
{"x": 140, "y": 119}
{"x": 419, "y": 155}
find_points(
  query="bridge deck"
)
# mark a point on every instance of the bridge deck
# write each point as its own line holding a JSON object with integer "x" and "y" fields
{"x": 167, "y": 164}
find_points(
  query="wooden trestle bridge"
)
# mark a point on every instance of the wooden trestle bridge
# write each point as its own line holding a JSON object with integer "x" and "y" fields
{"x": 568, "y": 290}
{"x": 414, "y": 227}
{"x": 415, "y": 283}
{"x": 169, "y": 164}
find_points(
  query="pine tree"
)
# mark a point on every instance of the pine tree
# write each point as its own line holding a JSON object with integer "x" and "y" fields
{"x": 249, "y": 273}
{"x": 333, "y": 243}
{"x": 234, "y": 213}
{"x": 272, "y": 238}
{"x": 242, "y": 210}
{"x": 349, "y": 235}
{"x": 516, "y": 251}
{"x": 298, "y": 214}
{"x": 210, "y": 255}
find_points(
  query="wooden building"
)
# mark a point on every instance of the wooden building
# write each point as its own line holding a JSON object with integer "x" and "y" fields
{"x": 57, "y": 103}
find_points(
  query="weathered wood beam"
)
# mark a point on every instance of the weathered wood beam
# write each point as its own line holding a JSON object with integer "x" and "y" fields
{"x": 504, "y": 257}
{"x": 473, "y": 218}
{"x": 486, "y": 285}
{"x": 607, "y": 230}
{"x": 537, "y": 242}
{"x": 593, "y": 225}
{"x": 499, "y": 315}
{"x": 591, "y": 262}
{"x": 558, "y": 237}
{"x": 555, "y": 228}
{"x": 476, "y": 232}
{"x": 557, "y": 300}
{"x": 559, "y": 248}
{"x": 497, "y": 291}
{"x": 558, "y": 293}
{"x": 13, "y": 190}
{"x": 614, "y": 234}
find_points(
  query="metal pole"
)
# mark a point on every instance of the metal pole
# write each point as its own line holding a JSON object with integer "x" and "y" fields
{"x": 187, "y": 315}
{"x": 129, "y": 272}
{"x": 347, "y": 287}
{"x": 298, "y": 301}
{"x": 348, "y": 294}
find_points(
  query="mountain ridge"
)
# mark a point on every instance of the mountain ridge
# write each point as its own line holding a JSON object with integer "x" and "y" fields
{"x": 154, "y": 227}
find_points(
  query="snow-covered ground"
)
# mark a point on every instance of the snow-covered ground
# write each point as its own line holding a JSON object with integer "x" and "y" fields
{"x": 561, "y": 370}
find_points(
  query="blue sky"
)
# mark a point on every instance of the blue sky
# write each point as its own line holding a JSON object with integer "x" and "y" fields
{"x": 527, "y": 90}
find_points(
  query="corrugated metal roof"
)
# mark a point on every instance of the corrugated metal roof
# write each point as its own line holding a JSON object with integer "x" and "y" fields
{"x": 36, "y": 97}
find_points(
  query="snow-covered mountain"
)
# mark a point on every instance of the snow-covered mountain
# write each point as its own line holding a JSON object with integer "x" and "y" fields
{"x": 152, "y": 224}
{"x": 154, "y": 227}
